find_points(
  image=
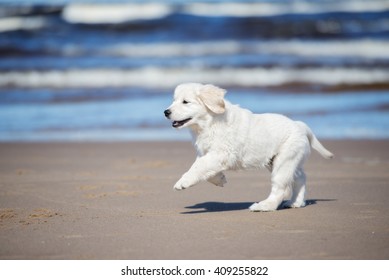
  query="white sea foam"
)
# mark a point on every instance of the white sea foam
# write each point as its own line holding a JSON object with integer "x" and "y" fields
{"x": 168, "y": 78}
{"x": 113, "y": 13}
{"x": 365, "y": 48}
{"x": 273, "y": 9}
{"x": 21, "y": 23}
{"x": 342, "y": 48}
{"x": 118, "y": 12}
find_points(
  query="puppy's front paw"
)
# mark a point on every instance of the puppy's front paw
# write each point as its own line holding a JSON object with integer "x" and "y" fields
{"x": 181, "y": 185}
{"x": 218, "y": 180}
{"x": 178, "y": 187}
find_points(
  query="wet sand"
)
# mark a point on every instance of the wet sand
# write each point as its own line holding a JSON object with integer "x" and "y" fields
{"x": 115, "y": 201}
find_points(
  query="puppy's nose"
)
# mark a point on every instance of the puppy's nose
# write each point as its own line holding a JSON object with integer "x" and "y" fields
{"x": 167, "y": 113}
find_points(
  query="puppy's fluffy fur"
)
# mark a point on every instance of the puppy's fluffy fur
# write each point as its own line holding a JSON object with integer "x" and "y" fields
{"x": 228, "y": 137}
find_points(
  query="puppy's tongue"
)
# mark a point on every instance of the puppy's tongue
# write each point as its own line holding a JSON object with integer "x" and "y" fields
{"x": 180, "y": 123}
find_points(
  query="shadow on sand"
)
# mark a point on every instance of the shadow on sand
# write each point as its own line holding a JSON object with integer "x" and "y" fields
{"x": 213, "y": 206}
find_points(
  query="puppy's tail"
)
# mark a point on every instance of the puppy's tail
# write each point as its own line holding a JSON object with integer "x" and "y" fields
{"x": 315, "y": 144}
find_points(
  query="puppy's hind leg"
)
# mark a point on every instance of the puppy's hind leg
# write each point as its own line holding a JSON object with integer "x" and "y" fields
{"x": 280, "y": 184}
{"x": 298, "y": 185}
{"x": 284, "y": 167}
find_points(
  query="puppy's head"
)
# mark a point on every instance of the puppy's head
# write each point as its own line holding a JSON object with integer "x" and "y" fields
{"x": 195, "y": 102}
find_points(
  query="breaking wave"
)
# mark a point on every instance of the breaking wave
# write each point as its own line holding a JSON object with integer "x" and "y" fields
{"x": 119, "y": 13}
{"x": 364, "y": 48}
{"x": 278, "y": 8}
{"x": 114, "y": 13}
{"x": 168, "y": 78}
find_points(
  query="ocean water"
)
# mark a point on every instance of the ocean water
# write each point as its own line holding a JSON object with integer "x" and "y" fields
{"x": 106, "y": 70}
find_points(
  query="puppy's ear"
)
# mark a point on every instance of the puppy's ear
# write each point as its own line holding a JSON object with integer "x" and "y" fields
{"x": 213, "y": 97}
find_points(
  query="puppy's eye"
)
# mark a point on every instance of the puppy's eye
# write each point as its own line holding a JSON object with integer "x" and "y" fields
{"x": 185, "y": 102}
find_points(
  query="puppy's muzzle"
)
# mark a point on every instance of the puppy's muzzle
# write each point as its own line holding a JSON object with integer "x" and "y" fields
{"x": 167, "y": 113}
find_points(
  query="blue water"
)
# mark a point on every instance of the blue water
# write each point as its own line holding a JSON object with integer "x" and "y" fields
{"x": 105, "y": 71}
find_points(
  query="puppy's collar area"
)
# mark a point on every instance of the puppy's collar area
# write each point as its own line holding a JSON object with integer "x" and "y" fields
{"x": 180, "y": 123}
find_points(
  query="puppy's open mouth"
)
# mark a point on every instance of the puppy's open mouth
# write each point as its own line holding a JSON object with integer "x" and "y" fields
{"x": 180, "y": 123}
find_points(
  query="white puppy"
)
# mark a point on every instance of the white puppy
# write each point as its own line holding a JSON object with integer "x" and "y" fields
{"x": 228, "y": 137}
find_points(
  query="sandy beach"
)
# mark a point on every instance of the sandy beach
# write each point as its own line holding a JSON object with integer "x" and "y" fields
{"x": 115, "y": 201}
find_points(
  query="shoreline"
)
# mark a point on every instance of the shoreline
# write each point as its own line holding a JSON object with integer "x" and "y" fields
{"x": 98, "y": 200}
